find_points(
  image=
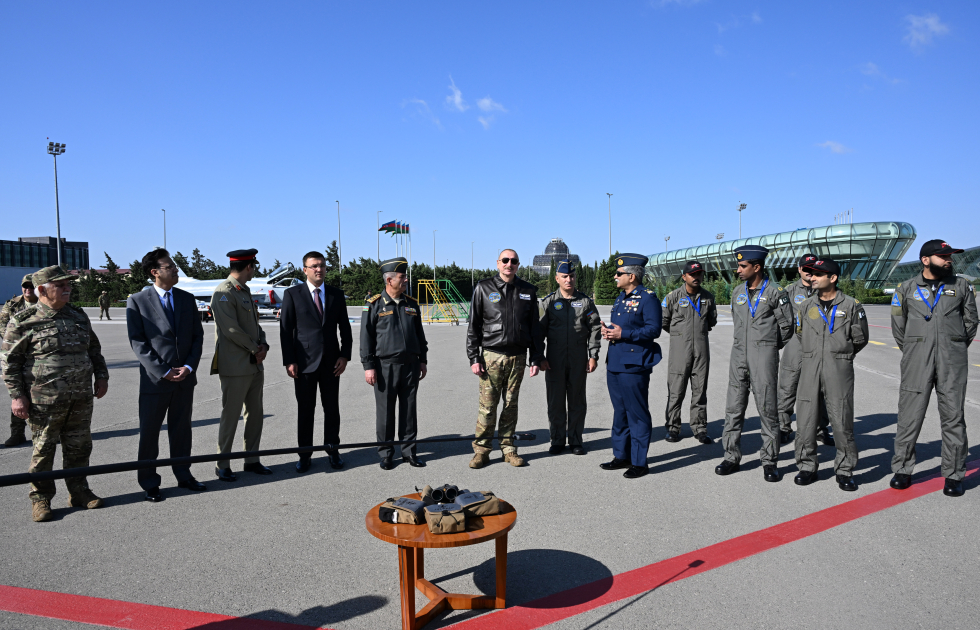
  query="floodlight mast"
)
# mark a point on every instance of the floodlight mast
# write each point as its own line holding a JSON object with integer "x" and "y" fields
{"x": 741, "y": 206}
{"x": 55, "y": 149}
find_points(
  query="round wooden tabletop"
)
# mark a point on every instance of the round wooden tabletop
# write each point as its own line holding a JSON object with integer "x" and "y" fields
{"x": 478, "y": 529}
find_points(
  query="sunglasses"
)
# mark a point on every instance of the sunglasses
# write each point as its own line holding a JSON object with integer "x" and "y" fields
{"x": 507, "y": 261}
{"x": 622, "y": 273}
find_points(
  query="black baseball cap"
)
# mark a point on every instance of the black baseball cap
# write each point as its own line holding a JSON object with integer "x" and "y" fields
{"x": 806, "y": 259}
{"x": 693, "y": 266}
{"x": 937, "y": 247}
{"x": 828, "y": 266}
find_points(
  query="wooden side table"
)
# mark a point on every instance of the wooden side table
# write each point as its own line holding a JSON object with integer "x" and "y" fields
{"x": 412, "y": 540}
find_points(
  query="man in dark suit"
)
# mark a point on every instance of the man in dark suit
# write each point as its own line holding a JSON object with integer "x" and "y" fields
{"x": 312, "y": 316}
{"x": 166, "y": 334}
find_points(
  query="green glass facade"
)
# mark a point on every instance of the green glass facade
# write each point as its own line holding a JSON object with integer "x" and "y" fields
{"x": 865, "y": 251}
{"x": 967, "y": 263}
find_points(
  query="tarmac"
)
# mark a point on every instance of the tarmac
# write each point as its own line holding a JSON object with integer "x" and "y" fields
{"x": 680, "y": 548}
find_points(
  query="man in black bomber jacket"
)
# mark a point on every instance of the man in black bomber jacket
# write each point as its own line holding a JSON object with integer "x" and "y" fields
{"x": 504, "y": 324}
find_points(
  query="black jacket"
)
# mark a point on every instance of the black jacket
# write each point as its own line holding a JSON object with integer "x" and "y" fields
{"x": 159, "y": 348}
{"x": 392, "y": 331}
{"x": 307, "y": 339}
{"x": 504, "y": 319}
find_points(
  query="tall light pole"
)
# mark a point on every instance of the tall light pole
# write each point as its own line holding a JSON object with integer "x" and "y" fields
{"x": 741, "y": 206}
{"x": 379, "y": 236}
{"x": 472, "y": 276}
{"x": 609, "y": 195}
{"x": 666, "y": 238}
{"x": 164, "y": 210}
{"x": 55, "y": 149}
{"x": 340, "y": 252}
{"x": 434, "y": 255}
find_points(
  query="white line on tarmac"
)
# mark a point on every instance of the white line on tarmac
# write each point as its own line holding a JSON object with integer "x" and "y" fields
{"x": 897, "y": 378}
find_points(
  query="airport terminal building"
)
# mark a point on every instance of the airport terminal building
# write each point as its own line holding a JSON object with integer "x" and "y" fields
{"x": 865, "y": 251}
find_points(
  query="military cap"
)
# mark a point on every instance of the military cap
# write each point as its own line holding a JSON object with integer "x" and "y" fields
{"x": 806, "y": 259}
{"x": 565, "y": 266}
{"x": 396, "y": 265}
{"x": 27, "y": 281}
{"x": 243, "y": 254}
{"x": 50, "y": 274}
{"x": 751, "y": 252}
{"x": 631, "y": 260}
{"x": 692, "y": 266}
{"x": 828, "y": 266}
{"x": 937, "y": 247}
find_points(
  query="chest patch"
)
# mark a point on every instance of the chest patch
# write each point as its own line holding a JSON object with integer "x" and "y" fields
{"x": 559, "y": 306}
{"x": 385, "y": 313}
{"x": 742, "y": 299}
{"x": 525, "y": 296}
{"x": 799, "y": 298}
{"x": 684, "y": 302}
{"x": 576, "y": 305}
{"x": 411, "y": 310}
{"x": 917, "y": 297}
{"x": 841, "y": 313}
{"x": 494, "y": 297}
{"x": 950, "y": 292}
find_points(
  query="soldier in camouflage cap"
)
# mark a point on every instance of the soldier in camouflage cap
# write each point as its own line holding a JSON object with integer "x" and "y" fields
{"x": 104, "y": 303}
{"x": 50, "y": 354}
{"x": 13, "y": 306}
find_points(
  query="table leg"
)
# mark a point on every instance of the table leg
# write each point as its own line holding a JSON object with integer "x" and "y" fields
{"x": 501, "y": 571}
{"x": 419, "y": 563}
{"x": 406, "y": 570}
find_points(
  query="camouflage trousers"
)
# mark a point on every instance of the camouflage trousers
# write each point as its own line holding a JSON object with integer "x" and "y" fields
{"x": 501, "y": 380}
{"x": 70, "y": 423}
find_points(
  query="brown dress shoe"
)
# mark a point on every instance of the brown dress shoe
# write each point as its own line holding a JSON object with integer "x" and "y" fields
{"x": 41, "y": 510}
{"x": 479, "y": 460}
{"x": 86, "y": 500}
{"x": 514, "y": 459}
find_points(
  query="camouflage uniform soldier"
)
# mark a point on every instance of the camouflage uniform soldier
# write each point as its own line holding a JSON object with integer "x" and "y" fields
{"x": 504, "y": 325}
{"x": 14, "y": 305}
{"x": 50, "y": 354}
{"x": 104, "y": 305}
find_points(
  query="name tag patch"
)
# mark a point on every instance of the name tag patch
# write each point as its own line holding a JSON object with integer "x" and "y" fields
{"x": 949, "y": 292}
{"x": 525, "y": 296}
{"x": 576, "y": 305}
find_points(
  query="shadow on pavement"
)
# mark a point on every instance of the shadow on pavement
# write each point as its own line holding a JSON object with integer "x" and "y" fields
{"x": 314, "y": 617}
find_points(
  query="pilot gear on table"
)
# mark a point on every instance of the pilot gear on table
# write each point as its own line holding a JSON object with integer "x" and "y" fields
{"x": 688, "y": 319}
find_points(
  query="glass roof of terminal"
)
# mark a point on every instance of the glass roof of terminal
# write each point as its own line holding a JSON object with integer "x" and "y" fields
{"x": 868, "y": 251}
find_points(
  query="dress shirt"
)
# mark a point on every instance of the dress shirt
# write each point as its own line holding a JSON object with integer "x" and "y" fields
{"x": 163, "y": 302}
{"x": 318, "y": 289}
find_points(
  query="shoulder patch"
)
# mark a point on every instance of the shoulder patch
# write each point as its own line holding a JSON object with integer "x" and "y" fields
{"x": 24, "y": 314}
{"x": 664, "y": 303}
{"x": 895, "y": 300}
{"x": 373, "y": 298}
{"x": 651, "y": 292}
{"x": 224, "y": 298}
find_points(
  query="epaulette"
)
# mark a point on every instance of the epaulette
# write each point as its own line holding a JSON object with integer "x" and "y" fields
{"x": 24, "y": 314}
{"x": 373, "y": 298}
{"x": 651, "y": 292}
{"x": 779, "y": 288}
{"x": 549, "y": 295}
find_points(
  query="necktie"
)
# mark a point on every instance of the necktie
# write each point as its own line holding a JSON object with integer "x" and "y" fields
{"x": 168, "y": 308}
{"x": 316, "y": 300}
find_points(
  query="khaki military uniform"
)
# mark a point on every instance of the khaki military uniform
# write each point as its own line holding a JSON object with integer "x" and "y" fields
{"x": 104, "y": 303}
{"x": 393, "y": 345}
{"x": 755, "y": 364}
{"x": 828, "y": 373}
{"x": 688, "y": 320}
{"x": 790, "y": 362}
{"x": 573, "y": 333}
{"x": 237, "y": 337}
{"x": 50, "y": 357}
{"x": 18, "y": 426}
{"x": 935, "y": 344}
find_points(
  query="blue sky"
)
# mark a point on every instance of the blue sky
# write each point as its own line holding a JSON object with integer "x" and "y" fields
{"x": 500, "y": 123}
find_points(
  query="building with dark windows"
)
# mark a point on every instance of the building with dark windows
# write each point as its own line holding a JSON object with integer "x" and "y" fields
{"x": 28, "y": 254}
{"x": 865, "y": 251}
{"x": 965, "y": 264}
{"x": 555, "y": 251}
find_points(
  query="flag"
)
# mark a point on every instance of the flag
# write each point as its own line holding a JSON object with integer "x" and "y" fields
{"x": 387, "y": 227}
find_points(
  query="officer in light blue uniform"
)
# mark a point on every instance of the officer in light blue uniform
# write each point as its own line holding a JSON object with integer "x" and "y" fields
{"x": 634, "y": 324}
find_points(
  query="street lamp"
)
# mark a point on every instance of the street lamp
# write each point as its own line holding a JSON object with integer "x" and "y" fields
{"x": 55, "y": 149}
{"x": 340, "y": 252}
{"x": 666, "y": 238}
{"x": 164, "y": 211}
{"x": 720, "y": 235}
{"x": 609, "y": 195}
{"x": 472, "y": 276}
{"x": 741, "y": 206}
{"x": 434, "y": 255}
{"x": 379, "y": 236}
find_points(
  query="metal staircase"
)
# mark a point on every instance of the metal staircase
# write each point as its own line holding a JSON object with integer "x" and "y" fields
{"x": 441, "y": 302}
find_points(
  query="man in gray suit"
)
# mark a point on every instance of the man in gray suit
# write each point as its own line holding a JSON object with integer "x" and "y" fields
{"x": 166, "y": 334}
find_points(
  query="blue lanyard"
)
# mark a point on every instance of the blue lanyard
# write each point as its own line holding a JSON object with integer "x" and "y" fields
{"x": 696, "y": 306}
{"x": 925, "y": 299}
{"x": 758, "y": 297}
{"x": 833, "y": 314}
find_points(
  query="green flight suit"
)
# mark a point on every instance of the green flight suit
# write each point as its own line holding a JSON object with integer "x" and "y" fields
{"x": 790, "y": 363}
{"x": 689, "y": 357}
{"x": 935, "y": 344}
{"x": 572, "y": 330}
{"x": 828, "y": 373}
{"x": 754, "y": 365}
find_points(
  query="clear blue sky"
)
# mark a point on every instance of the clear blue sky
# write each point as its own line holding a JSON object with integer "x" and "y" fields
{"x": 500, "y": 123}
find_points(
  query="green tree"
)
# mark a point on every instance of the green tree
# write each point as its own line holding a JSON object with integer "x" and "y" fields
{"x": 552, "y": 283}
{"x": 88, "y": 288}
{"x": 334, "y": 268}
{"x": 606, "y": 290}
{"x": 137, "y": 280}
{"x": 111, "y": 281}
